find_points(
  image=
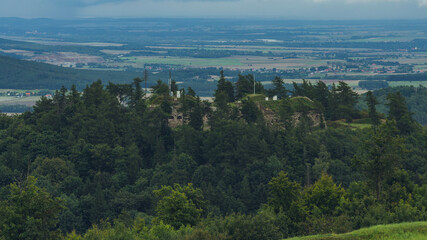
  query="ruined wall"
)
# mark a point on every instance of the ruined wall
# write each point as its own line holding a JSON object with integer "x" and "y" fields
{"x": 271, "y": 118}
{"x": 315, "y": 118}
{"x": 177, "y": 118}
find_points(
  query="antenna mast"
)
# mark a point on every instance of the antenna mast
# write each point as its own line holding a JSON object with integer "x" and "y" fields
{"x": 254, "y": 84}
{"x": 170, "y": 81}
{"x": 145, "y": 79}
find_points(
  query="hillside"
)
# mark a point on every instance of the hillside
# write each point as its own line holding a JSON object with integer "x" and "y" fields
{"x": 107, "y": 164}
{"x": 406, "y": 231}
{"x": 21, "y": 74}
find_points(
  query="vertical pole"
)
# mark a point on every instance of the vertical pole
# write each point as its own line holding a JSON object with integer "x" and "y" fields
{"x": 145, "y": 79}
{"x": 170, "y": 81}
{"x": 254, "y": 84}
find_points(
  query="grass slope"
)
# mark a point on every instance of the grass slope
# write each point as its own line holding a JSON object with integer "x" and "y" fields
{"x": 402, "y": 231}
{"x": 21, "y": 74}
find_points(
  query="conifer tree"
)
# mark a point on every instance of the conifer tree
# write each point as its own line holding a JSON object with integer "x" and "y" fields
{"x": 372, "y": 102}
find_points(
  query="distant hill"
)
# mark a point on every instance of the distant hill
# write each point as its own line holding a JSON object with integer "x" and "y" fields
{"x": 21, "y": 74}
{"x": 414, "y": 231}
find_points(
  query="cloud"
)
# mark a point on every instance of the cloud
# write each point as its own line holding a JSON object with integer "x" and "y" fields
{"x": 287, "y": 9}
{"x": 420, "y": 2}
{"x": 297, "y": 9}
{"x": 362, "y": 1}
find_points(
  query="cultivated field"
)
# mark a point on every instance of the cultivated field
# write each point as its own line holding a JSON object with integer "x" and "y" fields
{"x": 28, "y": 101}
{"x": 234, "y": 62}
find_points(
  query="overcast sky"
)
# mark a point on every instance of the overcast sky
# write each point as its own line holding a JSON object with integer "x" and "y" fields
{"x": 277, "y": 9}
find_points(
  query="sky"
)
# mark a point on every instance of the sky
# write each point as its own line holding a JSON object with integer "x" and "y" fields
{"x": 265, "y": 9}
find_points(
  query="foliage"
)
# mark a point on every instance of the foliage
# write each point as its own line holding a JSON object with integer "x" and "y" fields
{"x": 179, "y": 206}
{"x": 384, "y": 151}
{"x": 124, "y": 173}
{"x": 19, "y": 74}
{"x": 373, "y": 85}
{"x": 283, "y": 192}
{"x": 29, "y": 212}
{"x": 371, "y": 102}
{"x": 324, "y": 196}
{"x": 224, "y": 87}
{"x": 278, "y": 89}
{"x": 415, "y": 98}
{"x": 398, "y": 110}
{"x": 246, "y": 84}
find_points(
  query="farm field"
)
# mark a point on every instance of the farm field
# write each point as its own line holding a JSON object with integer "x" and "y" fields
{"x": 327, "y": 51}
{"x": 198, "y": 62}
{"x": 408, "y": 83}
{"x": 28, "y": 101}
{"x": 240, "y": 62}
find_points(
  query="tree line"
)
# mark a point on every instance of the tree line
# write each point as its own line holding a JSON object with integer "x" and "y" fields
{"x": 104, "y": 164}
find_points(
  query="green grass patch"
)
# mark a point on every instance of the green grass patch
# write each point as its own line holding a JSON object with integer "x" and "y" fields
{"x": 298, "y": 104}
{"x": 273, "y": 105}
{"x": 353, "y": 125}
{"x": 256, "y": 97}
{"x": 360, "y": 125}
{"x": 402, "y": 231}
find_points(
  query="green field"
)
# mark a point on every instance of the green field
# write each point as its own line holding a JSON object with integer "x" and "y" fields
{"x": 261, "y": 48}
{"x": 420, "y": 67}
{"x": 353, "y": 125}
{"x": 403, "y": 231}
{"x": 407, "y": 83}
{"x": 401, "y": 37}
{"x": 28, "y": 101}
{"x": 186, "y": 61}
{"x": 242, "y": 62}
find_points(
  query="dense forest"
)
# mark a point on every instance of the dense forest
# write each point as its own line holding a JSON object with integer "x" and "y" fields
{"x": 21, "y": 74}
{"x": 105, "y": 163}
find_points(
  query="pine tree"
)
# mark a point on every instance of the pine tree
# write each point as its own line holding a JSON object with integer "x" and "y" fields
{"x": 372, "y": 111}
{"x": 278, "y": 90}
{"x": 383, "y": 153}
{"x": 398, "y": 110}
{"x": 196, "y": 116}
{"x": 225, "y": 87}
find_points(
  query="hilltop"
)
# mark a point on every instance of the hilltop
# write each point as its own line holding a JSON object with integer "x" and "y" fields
{"x": 106, "y": 163}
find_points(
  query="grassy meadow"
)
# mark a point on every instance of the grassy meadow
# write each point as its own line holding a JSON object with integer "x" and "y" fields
{"x": 402, "y": 231}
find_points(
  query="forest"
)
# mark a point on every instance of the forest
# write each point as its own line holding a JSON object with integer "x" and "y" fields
{"x": 104, "y": 163}
{"x": 20, "y": 74}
